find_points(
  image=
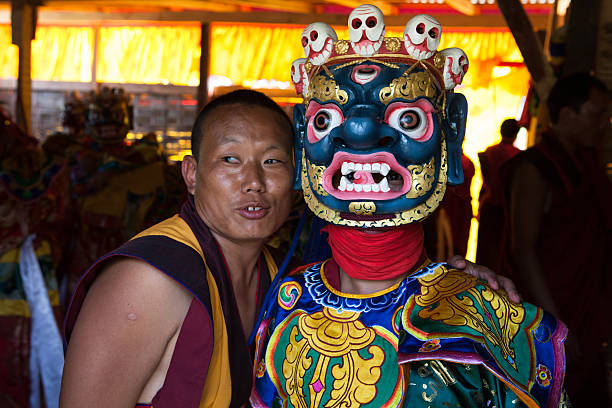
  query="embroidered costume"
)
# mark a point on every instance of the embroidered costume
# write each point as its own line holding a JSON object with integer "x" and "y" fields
{"x": 378, "y": 138}
{"x": 206, "y": 371}
{"x": 437, "y": 336}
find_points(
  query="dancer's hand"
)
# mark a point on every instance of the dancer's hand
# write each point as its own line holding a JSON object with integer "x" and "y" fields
{"x": 494, "y": 280}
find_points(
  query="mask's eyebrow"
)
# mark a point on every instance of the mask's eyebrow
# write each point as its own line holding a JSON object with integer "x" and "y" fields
{"x": 326, "y": 89}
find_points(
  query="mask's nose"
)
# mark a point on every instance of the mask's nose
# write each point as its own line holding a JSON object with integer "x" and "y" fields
{"x": 362, "y": 130}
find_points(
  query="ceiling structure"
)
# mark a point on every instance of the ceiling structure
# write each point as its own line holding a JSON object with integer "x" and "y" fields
{"x": 456, "y": 13}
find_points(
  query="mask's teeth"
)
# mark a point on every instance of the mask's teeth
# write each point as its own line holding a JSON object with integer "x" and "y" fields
{"x": 343, "y": 184}
{"x": 384, "y": 185}
{"x": 384, "y": 169}
{"x": 345, "y": 168}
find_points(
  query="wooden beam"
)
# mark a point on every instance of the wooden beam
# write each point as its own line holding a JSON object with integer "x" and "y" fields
{"x": 204, "y": 66}
{"x": 526, "y": 39}
{"x": 464, "y": 6}
{"x": 215, "y": 6}
{"x": 50, "y": 16}
{"x": 23, "y": 24}
{"x": 384, "y": 6}
{"x": 219, "y": 6}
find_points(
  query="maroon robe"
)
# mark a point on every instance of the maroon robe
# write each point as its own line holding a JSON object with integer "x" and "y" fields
{"x": 574, "y": 247}
{"x": 187, "y": 371}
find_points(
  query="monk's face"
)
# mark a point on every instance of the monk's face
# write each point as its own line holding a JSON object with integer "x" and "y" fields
{"x": 244, "y": 173}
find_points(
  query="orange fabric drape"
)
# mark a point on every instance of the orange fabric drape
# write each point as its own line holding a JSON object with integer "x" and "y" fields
{"x": 150, "y": 55}
{"x": 245, "y": 52}
{"x": 58, "y": 54}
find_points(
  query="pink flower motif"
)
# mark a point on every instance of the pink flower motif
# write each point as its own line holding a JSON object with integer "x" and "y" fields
{"x": 543, "y": 375}
{"x": 430, "y": 345}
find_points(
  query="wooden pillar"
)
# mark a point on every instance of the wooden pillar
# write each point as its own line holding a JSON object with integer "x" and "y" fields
{"x": 530, "y": 46}
{"x": 581, "y": 43}
{"x": 23, "y": 24}
{"x": 204, "y": 66}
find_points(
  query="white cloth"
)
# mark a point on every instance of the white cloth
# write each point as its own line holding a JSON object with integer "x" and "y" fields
{"x": 46, "y": 352}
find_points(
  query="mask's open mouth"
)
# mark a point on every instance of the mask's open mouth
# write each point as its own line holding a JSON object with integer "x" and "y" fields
{"x": 375, "y": 176}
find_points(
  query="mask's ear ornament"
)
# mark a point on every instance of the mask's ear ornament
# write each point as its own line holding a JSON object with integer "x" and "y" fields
{"x": 379, "y": 134}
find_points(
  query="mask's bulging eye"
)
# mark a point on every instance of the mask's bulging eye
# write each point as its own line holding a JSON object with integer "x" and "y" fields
{"x": 412, "y": 119}
{"x": 409, "y": 120}
{"x": 323, "y": 121}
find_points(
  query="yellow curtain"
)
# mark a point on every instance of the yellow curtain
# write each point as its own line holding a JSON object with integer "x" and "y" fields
{"x": 150, "y": 55}
{"x": 9, "y": 54}
{"x": 246, "y": 52}
{"x": 58, "y": 54}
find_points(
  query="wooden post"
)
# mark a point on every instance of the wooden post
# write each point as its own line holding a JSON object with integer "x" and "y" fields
{"x": 526, "y": 39}
{"x": 204, "y": 66}
{"x": 23, "y": 24}
{"x": 581, "y": 37}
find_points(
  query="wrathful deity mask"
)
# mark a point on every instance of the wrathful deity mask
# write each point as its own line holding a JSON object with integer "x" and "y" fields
{"x": 380, "y": 131}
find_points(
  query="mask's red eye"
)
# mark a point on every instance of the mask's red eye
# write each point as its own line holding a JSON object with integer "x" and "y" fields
{"x": 314, "y": 35}
{"x": 420, "y": 28}
{"x": 371, "y": 22}
{"x": 356, "y": 23}
{"x": 433, "y": 33}
{"x": 304, "y": 41}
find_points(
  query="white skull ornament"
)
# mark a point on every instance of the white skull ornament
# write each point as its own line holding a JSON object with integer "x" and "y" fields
{"x": 422, "y": 36}
{"x": 299, "y": 76}
{"x": 317, "y": 40}
{"x": 366, "y": 29}
{"x": 456, "y": 64}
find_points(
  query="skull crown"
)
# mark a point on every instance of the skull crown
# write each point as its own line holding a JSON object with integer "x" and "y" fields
{"x": 366, "y": 26}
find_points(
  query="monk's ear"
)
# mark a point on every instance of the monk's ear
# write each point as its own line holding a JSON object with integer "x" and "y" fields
{"x": 189, "y": 169}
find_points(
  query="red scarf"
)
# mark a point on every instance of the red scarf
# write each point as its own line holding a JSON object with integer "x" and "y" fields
{"x": 378, "y": 256}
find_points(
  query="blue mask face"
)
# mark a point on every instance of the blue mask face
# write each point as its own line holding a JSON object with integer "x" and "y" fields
{"x": 377, "y": 143}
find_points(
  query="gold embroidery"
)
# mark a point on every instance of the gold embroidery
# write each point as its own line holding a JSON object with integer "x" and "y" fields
{"x": 325, "y": 89}
{"x": 315, "y": 173}
{"x": 410, "y": 87}
{"x": 440, "y": 303}
{"x": 333, "y": 333}
{"x": 362, "y": 207}
{"x": 422, "y": 178}
{"x": 442, "y": 372}
{"x": 294, "y": 367}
